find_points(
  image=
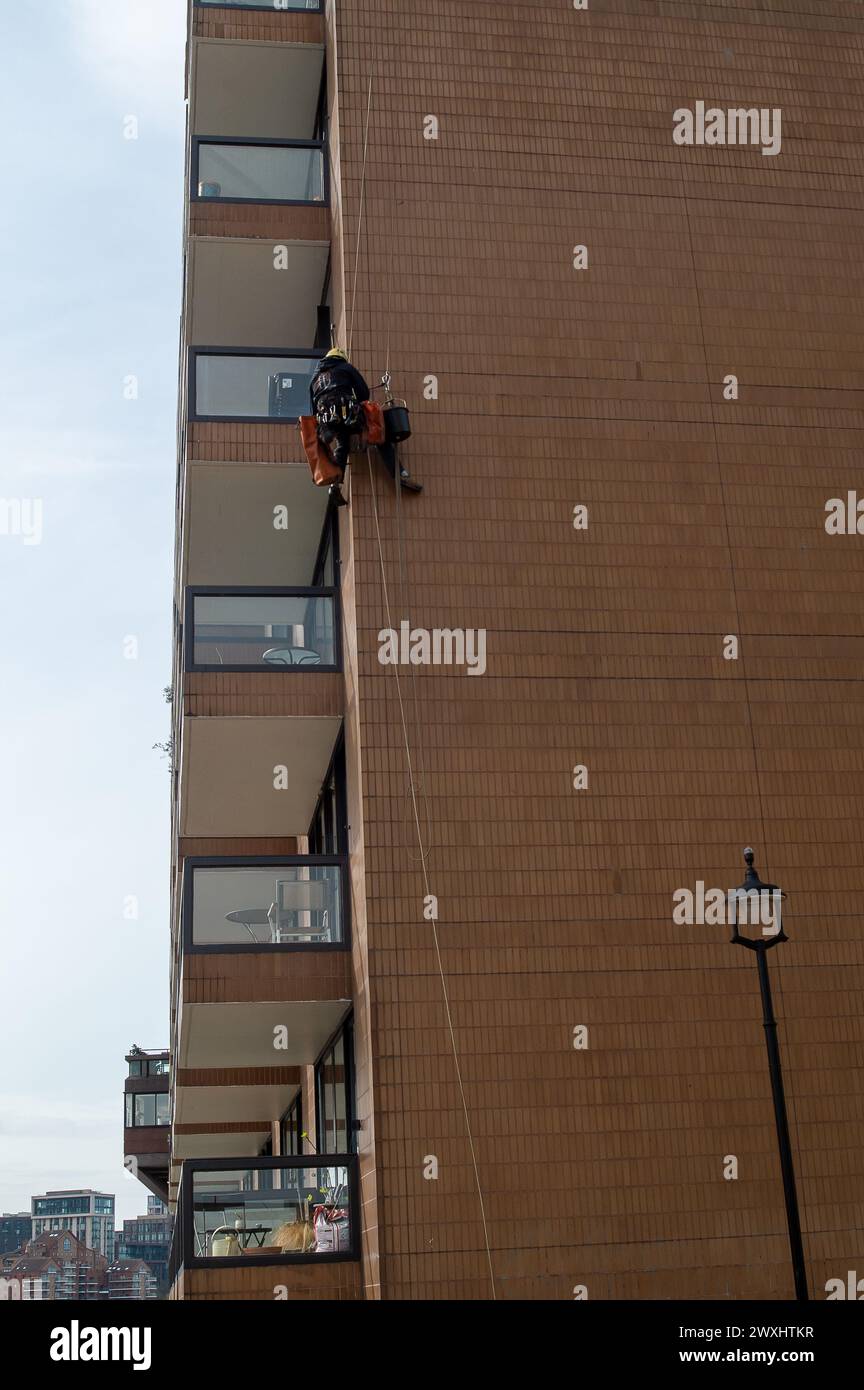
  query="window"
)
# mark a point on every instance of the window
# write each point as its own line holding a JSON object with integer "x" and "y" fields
{"x": 328, "y": 833}
{"x": 291, "y": 902}
{"x": 314, "y": 5}
{"x": 274, "y": 1208}
{"x": 334, "y": 1087}
{"x": 264, "y": 172}
{"x": 243, "y": 631}
{"x": 292, "y": 1127}
{"x": 148, "y": 1109}
{"x": 250, "y": 386}
{"x": 60, "y": 1206}
{"x": 148, "y": 1066}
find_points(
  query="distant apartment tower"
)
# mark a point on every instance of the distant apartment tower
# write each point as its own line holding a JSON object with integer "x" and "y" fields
{"x": 16, "y": 1228}
{"x": 87, "y": 1214}
{"x": 148, "y": 1239}
{"x": 434, "y": 1033}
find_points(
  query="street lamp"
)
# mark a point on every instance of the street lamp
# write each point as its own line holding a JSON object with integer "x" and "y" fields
{"x": 754, "y": 891}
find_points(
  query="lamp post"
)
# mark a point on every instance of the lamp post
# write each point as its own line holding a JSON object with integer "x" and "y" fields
{"x": 754, "y": 891}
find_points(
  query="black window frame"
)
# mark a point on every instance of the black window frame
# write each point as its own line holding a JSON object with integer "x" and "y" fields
{"x": 194, "y": 591}
{"x": 316, "y": 144}
{"x": 345, "y": 1031}
{"x": 333, "y": 795}
{"x": 261, "y": 861}
{"x": 185, "y": 1226}
{"x": 199, "y": 350}
{"x": 316, "y": 8}
{"x": 293, "y": 1119}
{"x": 130, "y": 1115}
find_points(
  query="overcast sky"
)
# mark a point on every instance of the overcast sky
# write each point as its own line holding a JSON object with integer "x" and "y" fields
{"x": 90, "y": 260}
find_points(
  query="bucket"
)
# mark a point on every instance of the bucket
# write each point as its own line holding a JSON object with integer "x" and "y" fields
{"x": 397, "y": 423}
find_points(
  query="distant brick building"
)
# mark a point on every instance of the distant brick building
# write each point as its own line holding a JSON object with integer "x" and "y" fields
{"x": 59, "y": 1266}
{"x": 130, "y": 1279}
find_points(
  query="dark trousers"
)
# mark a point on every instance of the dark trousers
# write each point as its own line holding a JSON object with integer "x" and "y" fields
{"x": 336, "y": 439}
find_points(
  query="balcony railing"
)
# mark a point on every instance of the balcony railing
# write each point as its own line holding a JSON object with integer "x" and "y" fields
{"x": 262, "y": 629}
{"x": 254, "y": 904}
{"x": 259, "y": 171}
{"x": 249, "y": 385}
{"x": 312, "y": 5}
{"x": 266, "y": 1211}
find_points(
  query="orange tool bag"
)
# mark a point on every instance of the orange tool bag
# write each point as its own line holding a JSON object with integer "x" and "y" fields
{"x": 323, "y": 470}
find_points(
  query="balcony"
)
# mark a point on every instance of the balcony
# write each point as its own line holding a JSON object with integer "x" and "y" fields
{"x": 249, "y": 385}
{"x": 314, "y": 6}
{"x": 147, "y": 1117}
{"x": 238, "y": 171}
{"x": 232, "y": 1010}
{"x": 270, "y": 1212}
{"x": 262, "y": 904}
{"x": 267, "y": 630}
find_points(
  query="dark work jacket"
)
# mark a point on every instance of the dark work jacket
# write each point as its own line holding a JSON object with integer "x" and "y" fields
{"x": 336, "y": 380}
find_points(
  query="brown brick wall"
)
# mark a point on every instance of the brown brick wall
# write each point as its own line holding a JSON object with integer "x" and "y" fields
{"x": 237, "y": 1076}
{"x": 604, "y": 387}
{"x": 209, "y": 442}
{"x": 282, "y": 224}
{"x": 284, "y": 26}
{"x": 222, "y": 977}
{"x": 335, "y": 1281}
{"x": 251, "y": 693}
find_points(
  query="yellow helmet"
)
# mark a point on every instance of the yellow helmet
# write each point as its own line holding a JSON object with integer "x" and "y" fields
{"x": 336, "y": 352}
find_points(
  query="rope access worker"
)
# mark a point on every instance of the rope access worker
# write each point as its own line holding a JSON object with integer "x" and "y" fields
{"x": 337, "y": 391}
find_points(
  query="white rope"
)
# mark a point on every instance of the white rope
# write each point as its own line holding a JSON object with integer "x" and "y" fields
{"x": 362, "y": 204}
{"x": 427, "y": 892}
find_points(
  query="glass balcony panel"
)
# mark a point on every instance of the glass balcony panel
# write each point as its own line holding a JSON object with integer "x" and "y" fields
{"x": 265, "y": 632}
{"x": 147, "y": 1109}
{"x": 314, "y": 5}
{"x": 261, "y": 173}
{"x": 280, "y": 1210}
{"x": 254, "y": 387}
{"x": 267, "y": 905}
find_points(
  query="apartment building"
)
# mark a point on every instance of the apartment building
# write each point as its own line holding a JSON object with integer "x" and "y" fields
{"x": 435, "y": 1031}
{"x": 16, "y": 1228}
{"x": 147, "y": 1238}
{"x": 88, "y": 1215}
{"x": 55, "y": 1267}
